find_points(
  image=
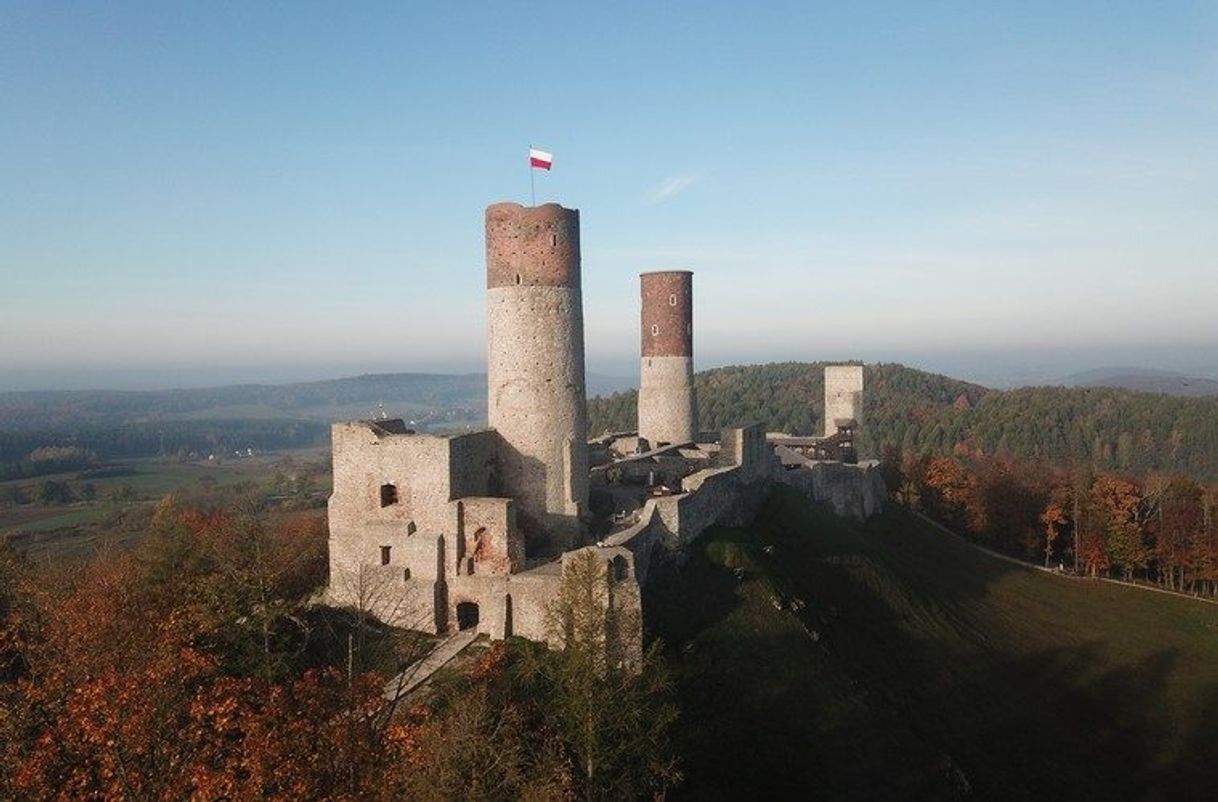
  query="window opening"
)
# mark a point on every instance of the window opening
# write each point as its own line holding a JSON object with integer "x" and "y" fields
{"x": 389, "y": 495}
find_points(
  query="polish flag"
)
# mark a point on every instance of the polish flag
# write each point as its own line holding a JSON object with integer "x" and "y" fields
{"x": 540, "y": 159}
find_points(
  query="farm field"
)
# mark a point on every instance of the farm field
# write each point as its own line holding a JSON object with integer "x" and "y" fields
{"x": 136, "y": 483}
{"x": 906, "y": 664}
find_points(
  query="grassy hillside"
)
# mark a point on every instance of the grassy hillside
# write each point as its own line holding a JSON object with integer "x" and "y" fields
{"x": 923, "y": 669}
{"x": 923, "y": 413}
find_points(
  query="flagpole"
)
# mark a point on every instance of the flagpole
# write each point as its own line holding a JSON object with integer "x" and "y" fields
{"x": 532, "y": 180}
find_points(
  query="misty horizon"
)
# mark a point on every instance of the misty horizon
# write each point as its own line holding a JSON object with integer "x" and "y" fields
{"x": 999, "y": 369}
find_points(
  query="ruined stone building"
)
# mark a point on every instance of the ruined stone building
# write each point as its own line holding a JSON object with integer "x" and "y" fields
{"x": 472, "y": 531}
{"x": 843, "y": 397}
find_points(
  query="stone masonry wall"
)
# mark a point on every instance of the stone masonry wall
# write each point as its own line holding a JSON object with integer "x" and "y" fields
{"x": 843, "y": 395}
{"x": 666, "y": 409}
{"x": 535, "y": 368}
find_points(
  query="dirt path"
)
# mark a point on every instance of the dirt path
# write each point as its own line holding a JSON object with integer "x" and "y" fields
{"x": 1016, "y": 561}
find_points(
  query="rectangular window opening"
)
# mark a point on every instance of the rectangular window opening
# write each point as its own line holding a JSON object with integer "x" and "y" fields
{"x": 389, "y": 495}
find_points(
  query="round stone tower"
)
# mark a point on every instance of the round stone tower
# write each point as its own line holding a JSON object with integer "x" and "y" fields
{"x": 667, "y": 410}
{"x": 535, "y": 368}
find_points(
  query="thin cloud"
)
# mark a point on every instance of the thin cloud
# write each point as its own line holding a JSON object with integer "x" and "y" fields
{"x": 671, "y": 187}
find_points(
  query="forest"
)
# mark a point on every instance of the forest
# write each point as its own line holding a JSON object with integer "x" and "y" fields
{"x": 195, "y": 665}
{"x": 1161, "y": 529}
{"x": 1102, "y": 429}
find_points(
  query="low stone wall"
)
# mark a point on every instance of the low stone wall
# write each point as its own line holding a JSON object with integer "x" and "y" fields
{"x": 732, "y": 496}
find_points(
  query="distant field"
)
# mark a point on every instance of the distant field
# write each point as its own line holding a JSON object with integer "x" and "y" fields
{"x": 923, "y": 669}
{"x": 35, "y": 527}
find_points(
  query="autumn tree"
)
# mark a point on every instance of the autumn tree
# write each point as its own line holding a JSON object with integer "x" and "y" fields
{"x": 612, "y": 707}
{"x": 1055, "y": 517}
{"x": 1118, "y": 505}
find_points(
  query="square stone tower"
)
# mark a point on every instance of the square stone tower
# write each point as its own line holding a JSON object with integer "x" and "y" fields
{"x": 843, "y": 395}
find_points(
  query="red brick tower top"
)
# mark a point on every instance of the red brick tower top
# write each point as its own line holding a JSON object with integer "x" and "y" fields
{"x": 532, "y": 246}
{"x": 668, "y": 313}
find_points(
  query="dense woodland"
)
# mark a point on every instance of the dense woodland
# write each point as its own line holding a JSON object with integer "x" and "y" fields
{"x": 194, "y": 667}
{"x": 1161, "y": 529}
{"x": 1099, "y": 428}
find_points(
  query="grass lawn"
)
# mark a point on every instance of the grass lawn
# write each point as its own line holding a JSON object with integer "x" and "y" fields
{"x": 920, "y": 668}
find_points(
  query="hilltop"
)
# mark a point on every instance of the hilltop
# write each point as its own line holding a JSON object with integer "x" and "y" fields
{"x": 923, "y": 413}
{"x": 921, "y": 668}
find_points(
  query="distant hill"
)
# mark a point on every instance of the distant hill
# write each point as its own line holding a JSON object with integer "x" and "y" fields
{"x": 1144, "y": 380}
{"x": 435, "y": 400}
{"x": 924, "y": 413}
{"x": 111, "y": 424}
{"x": 401, "y": 393}
{"x": 1110, "y": 429}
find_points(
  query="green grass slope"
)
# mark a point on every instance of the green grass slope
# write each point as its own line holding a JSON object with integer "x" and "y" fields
{"x": 921, "y": 668}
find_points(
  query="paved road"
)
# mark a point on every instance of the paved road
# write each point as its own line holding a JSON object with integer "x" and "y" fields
{"x": 419, "y": 672}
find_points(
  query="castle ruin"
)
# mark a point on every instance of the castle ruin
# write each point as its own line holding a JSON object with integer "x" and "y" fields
{"x": 843, "y": 397}
{"x": 473, "y": 531}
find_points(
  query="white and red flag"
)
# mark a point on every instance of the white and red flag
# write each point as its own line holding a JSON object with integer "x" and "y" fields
{"x": 540, "y": 159}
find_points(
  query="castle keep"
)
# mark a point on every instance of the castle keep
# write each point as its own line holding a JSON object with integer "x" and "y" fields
{"x": 535, "y": 367}
{"x": 474, "y": 530}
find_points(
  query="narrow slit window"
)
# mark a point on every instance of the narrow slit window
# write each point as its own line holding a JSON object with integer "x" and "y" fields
{"x": 672, "y": 300}
{"x": 655, "y": 330}
{"x": 384, "y": 555}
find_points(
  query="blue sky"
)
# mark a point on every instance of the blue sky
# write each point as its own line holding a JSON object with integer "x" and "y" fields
{"x": 199, "y": 192}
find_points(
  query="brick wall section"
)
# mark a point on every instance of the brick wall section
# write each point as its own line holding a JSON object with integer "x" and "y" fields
{"x": 667, "y": 409}
{"x": 668, "y": 313}
{"x": 534, "y": 246}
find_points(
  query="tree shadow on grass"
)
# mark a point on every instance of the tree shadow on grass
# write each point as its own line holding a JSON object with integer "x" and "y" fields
{"x": 891, "y": 683}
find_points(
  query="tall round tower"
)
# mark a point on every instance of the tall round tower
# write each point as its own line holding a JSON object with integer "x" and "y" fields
{"x": 535, "y": 368}
{"x": 667, "y": 409}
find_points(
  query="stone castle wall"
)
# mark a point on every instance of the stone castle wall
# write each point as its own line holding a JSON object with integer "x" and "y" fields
{"x": 731, "y": 493}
